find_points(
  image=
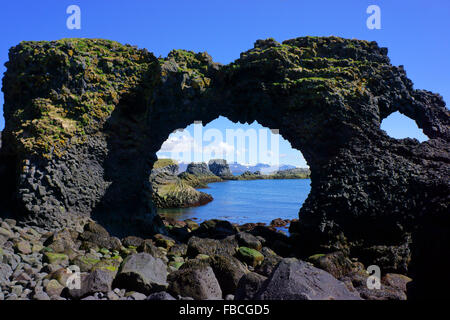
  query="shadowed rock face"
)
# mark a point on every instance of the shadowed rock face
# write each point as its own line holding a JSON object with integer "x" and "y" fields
{"x": 85, "y": 118}
{"x": 219, "y": 167}
{"x": 199, "y": 169}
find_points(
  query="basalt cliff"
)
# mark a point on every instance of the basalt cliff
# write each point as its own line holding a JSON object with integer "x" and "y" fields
{"x": 85, "y": 118}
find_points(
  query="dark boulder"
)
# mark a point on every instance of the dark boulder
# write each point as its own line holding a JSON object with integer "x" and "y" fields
{"x": 271, "y": 260}
{"x": 246, "y": 239}
{"x": 143, "y": 273}
{"x": 294, "y": 279}
{"x": 162, "y": 295}
{"x": 336, "y": 263}
{"x": 249, "y": 285}
{"x": 97, "y": 281}
{"x": 228, "y": 271}
{"x": 216, "y": 229}
{"x": 358, "y": 282}
{"x": 211, "y": 246}
{"x": 96, "y": 234}
{"x": 197, "y": 281}
{"x": 132, "y": 241}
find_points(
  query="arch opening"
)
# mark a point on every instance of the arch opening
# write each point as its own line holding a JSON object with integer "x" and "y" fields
{"x": 252, "y": 174}
{"x": 399, "y": 126}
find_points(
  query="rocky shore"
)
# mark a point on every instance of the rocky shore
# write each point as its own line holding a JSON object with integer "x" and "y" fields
{"x": 214, "y": 260}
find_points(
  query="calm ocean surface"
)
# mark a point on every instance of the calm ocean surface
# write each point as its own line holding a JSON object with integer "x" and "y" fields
{"x": 249, "y": 201}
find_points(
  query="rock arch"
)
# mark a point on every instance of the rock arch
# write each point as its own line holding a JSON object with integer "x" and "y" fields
{"x": 85, "y": 117}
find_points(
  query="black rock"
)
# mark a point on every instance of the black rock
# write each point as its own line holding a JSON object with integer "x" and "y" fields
{"x": 294, "y": 279}
{"x": 219, "y": 167}
{"x": 249, "y": 285}
{"x": 143, "y": 273}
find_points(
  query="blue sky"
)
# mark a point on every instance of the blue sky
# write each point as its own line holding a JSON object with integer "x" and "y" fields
{"x": 416, "y": 32}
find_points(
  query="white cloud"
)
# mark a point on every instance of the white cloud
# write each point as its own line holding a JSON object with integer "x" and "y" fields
{"x": 180, "y": 143}
{"x": 221, "y": 148}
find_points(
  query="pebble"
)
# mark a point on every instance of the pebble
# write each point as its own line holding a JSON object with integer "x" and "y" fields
{"x": 137, "y": 296}
{"x": 12, "y": 297}
{"x": 40, "y": 295}
{"x": 17, "y": 290}
{"x": 112, "y": 296}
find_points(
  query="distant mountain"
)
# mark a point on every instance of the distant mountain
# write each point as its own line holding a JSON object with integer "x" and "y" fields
{"x": 286, "y": 167}
{"x": 237, "y": 168}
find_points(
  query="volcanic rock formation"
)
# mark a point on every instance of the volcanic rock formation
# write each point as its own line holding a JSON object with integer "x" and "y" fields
{"x": 169, "y": 191}
{"x": 85, "y": 118}
{"x": 219, "y": 167}
{"x": 201, "y": 171}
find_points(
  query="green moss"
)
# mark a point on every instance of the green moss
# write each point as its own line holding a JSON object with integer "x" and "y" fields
{"x": 124, "y": 252}
{"x": 176, "y": 264}
{"x": 88, "y": 260}
{"x": 108, "y": 70}
{"x": 250, "y": 256}
{"x": 104, "y": 251}
{"x": 161, "y": 163}
{"x": 202, "y": 256}
{"x": 316, "y": 257}
{"x": 55, "y": 258}
{"x": 46, "y": 249}
{"x": 111, "y": 265}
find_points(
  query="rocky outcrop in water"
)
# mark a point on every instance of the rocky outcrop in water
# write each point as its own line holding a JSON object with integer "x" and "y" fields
{"x": 193, "y": 180}
{"x": 85, "y": 118}
{"x": 219, "y": 167}
{"x": 201, "y": 171}
{"x": 295, "y": 173}
{"x": 170, "y": 191}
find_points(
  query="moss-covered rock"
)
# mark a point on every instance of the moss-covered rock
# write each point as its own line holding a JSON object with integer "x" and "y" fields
{"x": 46, "y": 126}
{"x": 192, "y": 225}
{"x": 335, "y": 263}
{"x": 86, "y": 262}
{"x": 250, "y": 256}
{"x": 54, "y": 288}
{"x": 171, "y": 191}
{"x": 110, "y": 264}
{"x": 176, "y": 264}
{"x": 161, "y": 163}
{"x": 56, "y": 258}
{"x": 23, "y": 247}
